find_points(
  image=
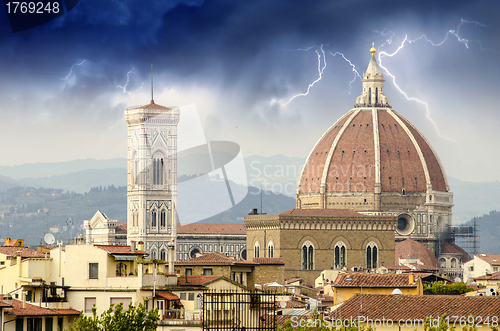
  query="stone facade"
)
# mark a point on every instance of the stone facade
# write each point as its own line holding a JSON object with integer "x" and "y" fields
{"x": 101, "y": 230}
{"x": 319, "y": 232}
{"x": 195, "y": 238}
{"x": 152, "y": 177}
{"x": 374, "y": 161}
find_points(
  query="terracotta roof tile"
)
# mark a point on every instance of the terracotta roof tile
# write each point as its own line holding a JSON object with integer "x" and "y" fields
{"x": 375, "y": 280}
{"x": 153, "y": 105}
{"x": 211, "y": 228}
{"x": 30, "y": 310}
{"x": 410, "y": 248}
{"x": 214, "y": 257}
{"x": 66, "y": 312}
{"x": 195, "y": 280}
{"x": 118, "y": 249}
{"x": 24, "y": 251}
{"x": 455, "y": 249}
{"x": 269, "y": 260}
{"x": 396, "y": 307}
{"x": 167, "y": 295}
{"x": 493, "y": 259}
{"x": 493, "y": 276}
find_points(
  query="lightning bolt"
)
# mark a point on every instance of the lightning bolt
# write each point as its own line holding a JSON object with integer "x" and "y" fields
{"x": 124, "y": 88}
{"x": 383, "y": 54}
{"x": 456, "y": 34}
{"x": 321, "y": 56}
{"x": 356, "y": 73}
{"x": 321, "y": 68}
{"x": 71, "y": 70}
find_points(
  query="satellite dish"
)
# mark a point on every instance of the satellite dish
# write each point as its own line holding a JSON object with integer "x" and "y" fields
{"x": 49, "y": 238}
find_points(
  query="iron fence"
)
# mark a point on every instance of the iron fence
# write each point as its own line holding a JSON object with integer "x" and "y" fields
{"x": 232, "y": 310}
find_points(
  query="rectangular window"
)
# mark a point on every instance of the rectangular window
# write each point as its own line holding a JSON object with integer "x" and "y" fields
{"x": 495, "y": 268}
{"x": 89, "y": 304}
{"x": 191, "y": 296}
{"x": 207, "y": 272}
{"x": 189, "y": 271}
{"x": 29, "y": 296}
{"x": 93, "y": 270}
{"x": 19, "y": 324}
{"x": 183, "y": 296}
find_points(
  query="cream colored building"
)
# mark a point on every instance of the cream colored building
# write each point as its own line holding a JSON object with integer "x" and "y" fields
{"x": 480, "y": 265}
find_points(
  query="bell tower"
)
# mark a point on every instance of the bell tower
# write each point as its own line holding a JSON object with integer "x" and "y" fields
{"x": 152, "y": 177}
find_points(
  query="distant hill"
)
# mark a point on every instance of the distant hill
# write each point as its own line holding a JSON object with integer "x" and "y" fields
{"x": 473, "y": 199}
{"x": 51, "y": 169}
{"x": 489, "y": 231}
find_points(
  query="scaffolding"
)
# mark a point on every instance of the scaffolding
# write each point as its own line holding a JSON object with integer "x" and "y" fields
{"x": 467, "y": 237}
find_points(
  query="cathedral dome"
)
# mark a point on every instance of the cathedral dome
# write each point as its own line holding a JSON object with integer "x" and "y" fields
{"x": 375, "y": 161}
{"x": 372, "y": 147}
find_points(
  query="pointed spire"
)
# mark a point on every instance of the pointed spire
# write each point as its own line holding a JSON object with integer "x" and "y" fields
{"x": 152, "y": 100}
{"x": 373, "y": 85}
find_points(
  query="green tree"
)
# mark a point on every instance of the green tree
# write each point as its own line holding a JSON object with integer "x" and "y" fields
{"x": 118, "y": 319}
{"x": 442, "y": 288}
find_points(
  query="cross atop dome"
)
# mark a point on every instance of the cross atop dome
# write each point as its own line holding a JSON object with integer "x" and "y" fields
{"x": 373, "y": 85}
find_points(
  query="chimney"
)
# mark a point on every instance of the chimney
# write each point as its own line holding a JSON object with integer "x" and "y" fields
{"x": 140, "y": 246}
{"x": 132, "y": 246}
{"x": 171, "y": 257}
{"x": 24, "y": 299}
{"x": 253, "y": 212}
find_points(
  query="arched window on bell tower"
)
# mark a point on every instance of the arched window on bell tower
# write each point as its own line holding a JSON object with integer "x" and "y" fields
{"x": 158, "y": 166}
{"x": 376, "y": 95}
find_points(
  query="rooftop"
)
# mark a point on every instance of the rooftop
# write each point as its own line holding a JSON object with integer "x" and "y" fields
{"x": 196, "y": 280}
{"x": 20, "y": 251}
{"x": 493, "y": 259}
{"x": 376, "y": 280}
{"x": 396, "y": 307}
{"x": 214, "y": 258}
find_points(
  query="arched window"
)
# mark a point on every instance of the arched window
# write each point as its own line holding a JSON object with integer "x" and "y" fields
{"x": 162, "y": 254}
{"x": 198, "y": 301}
{"x": 162, "y": 218}
{"x": 442, "y": 262}
{"x": 453, "y": 263}
{"x": 369, "y": 95}
{"x": 371, "y": 255}
{"x": 256, "y": 249}
{"x": 153, "y": 254}
{"x": 307, "y": 256}
{"x": 376, "y": 95}
{"x": 153, "y": 218}
{"x": 158, "y": 169}
{"x": 270, "y": 249}
{"x": 339, "y": 255}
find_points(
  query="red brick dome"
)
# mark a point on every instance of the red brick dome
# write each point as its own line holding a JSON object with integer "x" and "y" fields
{"x": 369, "y": 148}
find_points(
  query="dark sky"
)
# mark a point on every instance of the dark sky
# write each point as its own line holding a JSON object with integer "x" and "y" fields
{"x": 240, "y": 62}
